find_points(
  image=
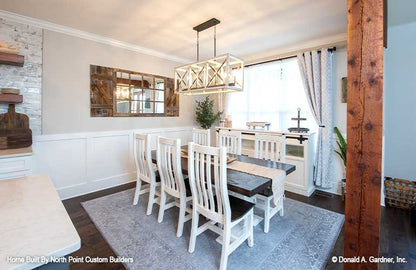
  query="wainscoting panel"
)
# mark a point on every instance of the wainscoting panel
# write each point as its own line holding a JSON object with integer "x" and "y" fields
{"x": 109, "y": 156}
{"x": 80, "y": 163}
{"x": 63, "y": 159}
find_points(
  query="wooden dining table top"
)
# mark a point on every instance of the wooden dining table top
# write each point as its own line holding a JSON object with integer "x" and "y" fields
{"x": 240, "y": 182}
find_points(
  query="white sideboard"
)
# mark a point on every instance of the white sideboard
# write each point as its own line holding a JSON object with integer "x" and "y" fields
{"x": 300, "y": 151}
{"x": 15, "y": 163}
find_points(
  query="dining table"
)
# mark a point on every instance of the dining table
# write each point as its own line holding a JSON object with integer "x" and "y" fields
{"x": 241, "y": 182}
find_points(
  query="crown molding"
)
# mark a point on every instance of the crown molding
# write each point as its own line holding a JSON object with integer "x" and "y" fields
{"x": 87, "y": 35}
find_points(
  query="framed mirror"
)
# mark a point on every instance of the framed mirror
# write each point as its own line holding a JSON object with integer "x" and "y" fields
{"x": 122, "y": 93}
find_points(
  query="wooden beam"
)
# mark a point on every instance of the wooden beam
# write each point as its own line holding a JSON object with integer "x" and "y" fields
{"x": 364, "y": 130}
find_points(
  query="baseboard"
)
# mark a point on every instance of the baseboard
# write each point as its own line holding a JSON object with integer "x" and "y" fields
{"x": 329, "y": 191}
{"x": 298, "y": 190}
{"x": 382, "y": 203}
{"x": 89, "y": 187}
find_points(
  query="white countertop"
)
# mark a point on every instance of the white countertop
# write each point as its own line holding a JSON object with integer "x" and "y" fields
{"x": 33, "y": 221}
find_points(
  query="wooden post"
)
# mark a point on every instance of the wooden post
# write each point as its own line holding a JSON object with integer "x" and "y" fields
{"x": 364, "y": 130}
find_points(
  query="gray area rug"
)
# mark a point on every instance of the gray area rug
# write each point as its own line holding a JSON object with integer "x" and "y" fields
{"x": 302, "y": 239}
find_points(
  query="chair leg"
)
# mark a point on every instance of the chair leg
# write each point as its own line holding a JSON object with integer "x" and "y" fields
{"x": 226, "y": 237}
{"x": 282, "y": 211}
{"x": 137, "y": 192}
{"x": 194, "y": 229}
{"x": 162, "y": 205}
{"x": 181, "y": 220}
{"x": 266, "y": 216}
{"x": 151, "y": 199}
{"x": 250, "y": 240}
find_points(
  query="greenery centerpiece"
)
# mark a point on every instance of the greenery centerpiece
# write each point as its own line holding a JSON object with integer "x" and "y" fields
{"x": 205, "y": 115}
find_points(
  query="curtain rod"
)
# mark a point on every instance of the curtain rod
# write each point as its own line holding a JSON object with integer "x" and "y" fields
{"x": 284, "y": 58}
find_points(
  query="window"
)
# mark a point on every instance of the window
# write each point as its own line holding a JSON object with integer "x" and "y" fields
{"x": 272, "y": 93}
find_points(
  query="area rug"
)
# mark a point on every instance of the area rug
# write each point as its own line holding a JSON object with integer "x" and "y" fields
{"x": 302, "y": 239}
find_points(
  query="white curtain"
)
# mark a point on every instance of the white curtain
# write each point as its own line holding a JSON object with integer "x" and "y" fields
{"x": 272, "y": 93}
{"x": 316, "y": 71}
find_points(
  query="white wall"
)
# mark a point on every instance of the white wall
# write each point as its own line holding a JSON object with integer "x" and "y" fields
{"x": 66, "y": 85}
{"x": 83, "y": 154}
{"x": 80, "y": 163}
{"x": 339, "y": 71}
{"x": 400, "y": 102}
{"x": 340, "y": 115}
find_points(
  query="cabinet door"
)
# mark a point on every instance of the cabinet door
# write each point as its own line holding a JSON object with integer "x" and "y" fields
{"x": 296, "y": 178}
{"x": 294, "y": 148}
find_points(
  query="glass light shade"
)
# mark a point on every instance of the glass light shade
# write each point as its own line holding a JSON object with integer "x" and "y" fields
{"x": 221, "y": 74}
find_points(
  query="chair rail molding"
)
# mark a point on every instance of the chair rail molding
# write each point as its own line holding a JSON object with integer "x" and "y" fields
{"x": 80, "y": 163}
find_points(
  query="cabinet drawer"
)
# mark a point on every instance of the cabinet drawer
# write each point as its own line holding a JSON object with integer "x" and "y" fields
{"x": 12, "y": 175}
{"x": 10, "y": 165}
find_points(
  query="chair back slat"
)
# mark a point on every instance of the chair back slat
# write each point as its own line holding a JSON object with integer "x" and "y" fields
{"x": 198, "y": 180}
{"x": 270, "y": 147}
{"x": 209, "y": 186}
{"x": 204, "y": 181}
{"x": 208, "y": 180}
{"x": 231, "y": 140}
{"x": 201, "y": 136}
{"x": 142, "y": 157}
{"x": 169, "y": 165}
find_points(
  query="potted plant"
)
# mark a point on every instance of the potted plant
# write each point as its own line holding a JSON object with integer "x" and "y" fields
{"x": 205, "y": 115}
{"x": 342, "y": 153}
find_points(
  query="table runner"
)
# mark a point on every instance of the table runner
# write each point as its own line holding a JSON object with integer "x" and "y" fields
{"x": 184, "y": 154}
{"x": 278, "y": 176}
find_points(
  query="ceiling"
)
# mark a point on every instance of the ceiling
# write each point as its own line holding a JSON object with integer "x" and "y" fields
{"x": 246, "y": 27}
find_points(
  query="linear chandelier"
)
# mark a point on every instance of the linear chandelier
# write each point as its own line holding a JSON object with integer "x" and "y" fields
{"x": 220, "y": 74}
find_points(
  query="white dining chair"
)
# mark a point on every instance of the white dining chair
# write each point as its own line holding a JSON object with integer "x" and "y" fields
{"x": 230, "y": 139}
{"x": 172, "y": 182}
{"x": 273, "y": 148}
{"x": 146, "y": 171}
{"x": 207, "y": 168}
{"x": 270, "y": 147}
{"x": 201, "y": 136}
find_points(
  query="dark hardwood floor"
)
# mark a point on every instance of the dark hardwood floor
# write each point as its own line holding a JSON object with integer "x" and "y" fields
{"x": 398, "y": 236}
{"x": 92, "y": 243}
